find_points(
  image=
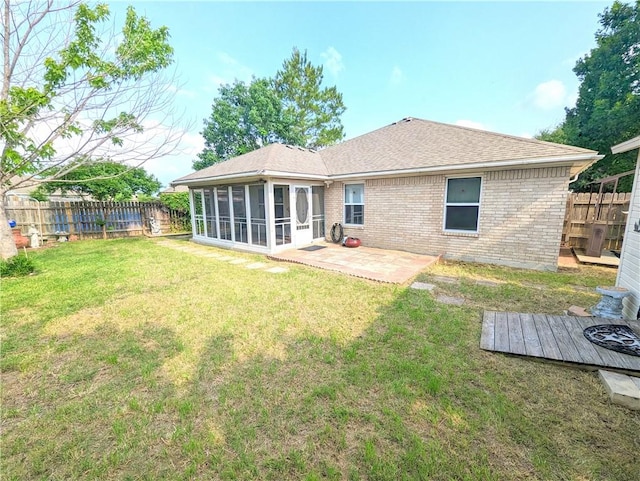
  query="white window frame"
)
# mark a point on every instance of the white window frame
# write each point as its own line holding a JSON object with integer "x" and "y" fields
{"x": 344, "y": 210}
{"x": 466, "y": 204}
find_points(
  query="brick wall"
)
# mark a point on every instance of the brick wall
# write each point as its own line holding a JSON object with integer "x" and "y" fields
{"x": 521, "y": 216}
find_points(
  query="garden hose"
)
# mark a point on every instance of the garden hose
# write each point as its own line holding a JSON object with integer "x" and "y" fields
{"x": 337, "y": 233}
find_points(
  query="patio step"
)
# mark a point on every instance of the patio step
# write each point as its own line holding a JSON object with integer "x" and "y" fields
{"x": 622, "y": 389}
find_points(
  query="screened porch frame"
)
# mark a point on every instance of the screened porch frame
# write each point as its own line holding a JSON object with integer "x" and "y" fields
{"x": 210, "y": 227}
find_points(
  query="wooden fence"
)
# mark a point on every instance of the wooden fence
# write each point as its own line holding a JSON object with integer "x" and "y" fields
{"x": 583, "y": 211}
{"x": 86, "y": 219}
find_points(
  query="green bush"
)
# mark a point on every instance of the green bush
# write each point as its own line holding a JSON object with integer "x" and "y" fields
{"x": 17, "y": 266}
{"x": 176, "y": 201}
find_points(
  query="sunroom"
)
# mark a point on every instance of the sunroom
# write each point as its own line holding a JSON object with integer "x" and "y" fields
{"x": 264, "y": 216}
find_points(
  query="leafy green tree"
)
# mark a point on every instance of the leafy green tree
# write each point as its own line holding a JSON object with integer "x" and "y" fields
{"x": 291, "y": 108}
{"x": 176, "y": 200}
{"x": 104, "y": 181}
{"x": 556, "y": 135}
{"x": 315, "y": 111}
{"x": 607, "y": 111}
{"x": 73, "y": 89}
{"x": 243, "y": 118}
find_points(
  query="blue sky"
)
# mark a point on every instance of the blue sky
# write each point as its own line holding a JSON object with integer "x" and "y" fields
{"x": 500, "y": 66}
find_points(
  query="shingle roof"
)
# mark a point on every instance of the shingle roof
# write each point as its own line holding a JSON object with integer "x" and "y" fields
{"x": 408, "y": 144}
{"x": 273, "y": 157}
{"x": 416, "y": 143}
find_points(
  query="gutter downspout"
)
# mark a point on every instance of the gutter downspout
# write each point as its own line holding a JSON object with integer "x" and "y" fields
{"x": 575, "y": 177}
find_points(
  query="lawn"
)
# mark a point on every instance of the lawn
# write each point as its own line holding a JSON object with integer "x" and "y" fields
{"x": 126, "y": 359}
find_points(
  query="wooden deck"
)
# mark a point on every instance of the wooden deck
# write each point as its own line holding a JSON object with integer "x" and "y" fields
{"x": 607, "y": 258}
{"x": 558, "y": 338}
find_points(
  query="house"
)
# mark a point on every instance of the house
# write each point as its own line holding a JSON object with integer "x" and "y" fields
{"x": 177, "y": 189}
{"x": 414, "y": 185}
{"x": 629, "y": 270}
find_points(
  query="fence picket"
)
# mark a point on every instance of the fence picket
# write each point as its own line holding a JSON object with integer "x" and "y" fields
{"x": 123, "y": 219}
{"x": 583, "y": 210}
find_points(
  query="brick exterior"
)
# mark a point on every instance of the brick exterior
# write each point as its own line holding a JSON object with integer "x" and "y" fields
{"x": 521, "y": 216}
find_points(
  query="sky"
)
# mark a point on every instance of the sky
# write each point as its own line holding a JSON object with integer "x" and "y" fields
{"x": 501, "y": 66}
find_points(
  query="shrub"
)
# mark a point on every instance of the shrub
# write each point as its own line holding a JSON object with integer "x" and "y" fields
{"x": 176, "y": 201}
{"x": 17, "y": 266}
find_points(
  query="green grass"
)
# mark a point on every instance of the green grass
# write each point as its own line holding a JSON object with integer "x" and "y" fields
{"x": 128, "y": 360}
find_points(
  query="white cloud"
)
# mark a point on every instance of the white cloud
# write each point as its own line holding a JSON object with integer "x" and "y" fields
{"x": 550, "y": 95}
{"x": 397, "y": 76}
{"x": 333, "y": 61}
{"x": 471, "y": 124}
{"x": 228, "y": 71}
{"x": 182, "y": 92}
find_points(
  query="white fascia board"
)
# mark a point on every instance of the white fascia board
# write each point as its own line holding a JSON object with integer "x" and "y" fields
{"x": 215, "y": 178}
{"x": 626, "y": 146}
{"x": 245, "y": 175}
{"x": 297, "y": 176}
{"x": 478, "y": 166}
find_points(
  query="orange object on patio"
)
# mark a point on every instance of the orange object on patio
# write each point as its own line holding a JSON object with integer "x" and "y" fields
{"x": 352, "y": 242}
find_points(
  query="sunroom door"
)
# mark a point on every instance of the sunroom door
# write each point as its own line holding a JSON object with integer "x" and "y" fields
{"x": 304, "y": 231}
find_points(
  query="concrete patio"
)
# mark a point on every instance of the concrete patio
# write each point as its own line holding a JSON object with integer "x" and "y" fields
{"x": 396, "y": 267}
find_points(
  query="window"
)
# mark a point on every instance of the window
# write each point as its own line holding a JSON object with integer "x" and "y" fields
{"x": 462, "y": 204}
{"x": 198, "y": 214}
{"x": 282, "y": 214}
{"x": 258, "y": 219}
{"x": 317, "y": 211}
{"x": 210, "y": 212}
{"x": 240, "y": 214}
{"x": 354, "y": 204}
{"x": 224, "y": 213}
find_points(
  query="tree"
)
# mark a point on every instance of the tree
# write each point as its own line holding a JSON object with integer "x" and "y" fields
{"x": 315, "y": 110}
{"x": 290, "y": 108}
{"x": 607, "y": 111}
{"x": 104, "y": 181}
{"x": 243, "y": 118}
{"x": 73, "y": 90}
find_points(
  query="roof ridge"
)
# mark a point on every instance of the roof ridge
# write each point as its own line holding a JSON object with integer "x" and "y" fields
{"x": 406, "y": 120}
{"x": 500, "y": 134}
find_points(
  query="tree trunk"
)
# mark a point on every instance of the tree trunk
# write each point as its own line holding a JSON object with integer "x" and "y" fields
{"x": 105, "y": 215}
{"x": 7, "y": 245}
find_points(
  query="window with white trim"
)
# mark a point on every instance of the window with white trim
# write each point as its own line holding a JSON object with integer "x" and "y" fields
{"x": 354, "y": 204}
{"x": 462, "y": 204}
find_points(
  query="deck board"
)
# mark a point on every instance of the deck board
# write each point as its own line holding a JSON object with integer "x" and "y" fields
{"x": 530, "y": 334}
{"x": 563, "y": 337}
{"x": 516, "y": 339}
{"x": 488, "y": 331}
{"x": 586, "y": 349}
{"x": 548, "y": 343}
{"x": 501, "y": 337}
{"x": 558, "y": 338}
